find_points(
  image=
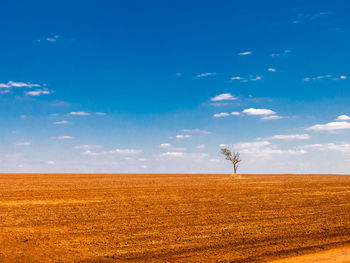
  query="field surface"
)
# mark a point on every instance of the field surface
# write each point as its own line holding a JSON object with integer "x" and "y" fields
{"x": 171, "y": 218}
{"x": 338, "y": 255}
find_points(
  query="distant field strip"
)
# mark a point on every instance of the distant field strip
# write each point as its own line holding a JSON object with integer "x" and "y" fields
{"x": 171, "y": 218}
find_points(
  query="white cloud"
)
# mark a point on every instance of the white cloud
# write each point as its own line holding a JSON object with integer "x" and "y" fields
{"x": 282, "y": 54}
{"x": 51, "y": 39}
{"x": 112, "y": 152}
{"x": 289, "y": 137}
{"x": 343, "y": 118}
{"x": 79, "y": 113}
{"x": 144, "y": 166}
{"x": 223, "y": 145}
{"x": 253, "y": 111}
{"x": 264, "y": 148}
{"x": 101, "y": 113}
{"x": 341, "y": 147}
{"x": 61, "y": 122}
{"x": 251, "y": 145}
{"x": 331, "y": 126}
{"x": 272, "y": 117}
{"x": 316, "y": 146}
{"x": 247, "y": 79}
{"x": 39, "y": 92}
{"x": 51, "y": 162}
{"x": 14, "y": 155}
{"x": 245, "y": 53}
{"x": 328, "y": 76}
{"x": 4, "y": 91}
{"x": 21, "y": 84}
{"x": 59, "y": 103}
{"x": 220, "y": 104}
{"x": 202, "y": 146}
{"x": 177, "y": 149}
{"x": 3, "y": 85}
{"x": 308, "y": 18}
{"x": 11, "y": 84}
{"x": 196, "y": 155}
{"x": 205, "y": 74}
{"x": 271, "y": 69}
{"x": 22, "y": 143}
{"x": 181, "y": 154}
{"x": 215, "y": 160}
{"x": 235, "y": 113}
{"x": 165, "y": 145}
{"x": 255, "y": 78}
{"x": 173, "y": 154}
{"x": 65, "y": 137}
{"x": 87, "y": 147}
{"x": 182, "y": 136}
{"x": 196, "y": 131}
{"x": 223, "y": 96}
{"x": 320, "y": 15}
{"x": 125, "y": 151}
{"x": 221, "y": 114}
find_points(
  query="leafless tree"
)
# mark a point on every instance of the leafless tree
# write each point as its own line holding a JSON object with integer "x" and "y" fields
{"x": 233, "y": 157}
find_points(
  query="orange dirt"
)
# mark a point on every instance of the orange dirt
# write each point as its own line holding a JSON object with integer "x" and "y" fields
{"x": 337, "y": 255}
{"x": 170, "y": 218}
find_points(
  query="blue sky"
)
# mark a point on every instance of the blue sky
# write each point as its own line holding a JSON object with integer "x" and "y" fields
{"x": 161, "y": 86}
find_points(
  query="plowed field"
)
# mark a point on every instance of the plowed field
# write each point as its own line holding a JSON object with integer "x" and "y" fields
{"x": 170, "y": 218}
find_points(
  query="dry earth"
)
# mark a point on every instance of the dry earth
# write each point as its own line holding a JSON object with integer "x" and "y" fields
{"x": 171, "y": 218}
{"x": 338, "y": 255}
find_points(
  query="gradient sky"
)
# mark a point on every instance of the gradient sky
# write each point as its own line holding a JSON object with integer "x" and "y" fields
{"x": 160, "y": 86}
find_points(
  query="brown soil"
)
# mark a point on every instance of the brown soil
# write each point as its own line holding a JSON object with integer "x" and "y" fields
{"x": 170, "y": 218}
{"x": 337, "y": 255}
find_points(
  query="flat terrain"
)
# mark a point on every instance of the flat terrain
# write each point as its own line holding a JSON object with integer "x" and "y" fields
{"x": 171, "y": 218}
{"x": 338, "y": 255}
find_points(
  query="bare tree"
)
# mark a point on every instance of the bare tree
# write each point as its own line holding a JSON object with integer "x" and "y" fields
{"x": 232, "y": 157}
